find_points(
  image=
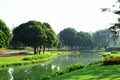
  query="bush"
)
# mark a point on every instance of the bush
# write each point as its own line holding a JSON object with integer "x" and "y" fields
{"x": 69, "y": 69}
{"x": 114, "y": 52}
{"x": 36, "y": 57}
{"x": 46, "y": 78}
{"x": 112, "y": 61}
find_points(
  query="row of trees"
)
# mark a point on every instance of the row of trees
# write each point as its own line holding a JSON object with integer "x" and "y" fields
{"x": 74, "y": 40}
{"x": 33, "y": 34}
{"x": 40, "y": 36}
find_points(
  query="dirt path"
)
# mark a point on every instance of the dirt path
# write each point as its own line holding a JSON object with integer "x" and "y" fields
{"x": 14, "y": 54}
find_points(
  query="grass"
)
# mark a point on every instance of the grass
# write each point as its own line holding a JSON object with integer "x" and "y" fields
{"x": 93, "y": 72}
{"x": 107, "y": 55}
{"x": 30, "y": 59}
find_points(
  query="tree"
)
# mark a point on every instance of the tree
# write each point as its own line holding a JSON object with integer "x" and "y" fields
{"x": 102, "y": 39}
{"x": 35, "y": 34}
{"x": 15, "y": 43}
{"x": 68, "y": 37}
{"x": 84, "y": 40}
{"x": 115, "y": 28}
{"x": 6, "y": 31}
{"x": 30, "y": 34}
{"x": 51, "y": 39}
{"x": 2, "y": 39}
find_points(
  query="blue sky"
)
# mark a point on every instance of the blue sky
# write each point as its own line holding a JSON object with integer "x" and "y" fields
{"x": 83, "y": 15}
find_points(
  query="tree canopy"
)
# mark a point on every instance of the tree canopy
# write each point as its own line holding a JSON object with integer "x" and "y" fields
{"x": 74, "y": 40}
{"x": 5, "y": 33}
{"x": 102, "y": 39}
{"x": 35, "y": 34}
{"x": 68, "y": 36}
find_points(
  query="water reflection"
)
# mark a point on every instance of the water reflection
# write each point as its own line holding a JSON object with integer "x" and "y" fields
{"x": 10, "y": 70}
{"x": 4, "y": 75}
{"x": 56, "y": 68}
{"x": 32, "y": 73}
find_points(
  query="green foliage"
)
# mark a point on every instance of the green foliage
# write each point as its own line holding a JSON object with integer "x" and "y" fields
{"x": 84, "y": 41}
{"x": 36, "y": 57}
{"x": 2, "y": 39}
{"x": 102, "y": 39}
{"x": 45, "y": 78}
{"x": 68, "y": 69}
{"x": 51, "y": 39}
{"x": 75, "y": 40}
{"x": 114, "y": 52}
{"x": 68, "y": 36}
{"x": 6, "y": 31}
{"x": 35, "y": 34}
{"x": 93, "y": 72}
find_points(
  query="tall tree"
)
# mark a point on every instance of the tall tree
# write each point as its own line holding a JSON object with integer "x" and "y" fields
{"x": 68, "y": 36}
{"x": 51, "y": 39}
{"x": 30, "y": 34}
{"x": 102, "y": 39}
{"x": 35, "y": 34}
{"x": 84, "y": 40}
{"x": 6, "y": 31}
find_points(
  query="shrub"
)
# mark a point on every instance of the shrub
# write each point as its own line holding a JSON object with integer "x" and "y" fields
{"x": 69, "y": 69}
{"x": 36, "y": 57}
{"x": 74, "y": 67}
{"x": 112, "y": 61}
{"x": 114, "y": 52}
{"x": 45, "y": 78}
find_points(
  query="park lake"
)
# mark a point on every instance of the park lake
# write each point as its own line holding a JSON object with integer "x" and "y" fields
{"x": 38, "y": 71}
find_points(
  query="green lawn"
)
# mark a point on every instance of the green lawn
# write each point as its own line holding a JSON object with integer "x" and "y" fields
{"x": 93, "y": 72}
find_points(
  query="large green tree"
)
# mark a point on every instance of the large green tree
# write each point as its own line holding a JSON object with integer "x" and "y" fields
{"x": 6, "y": 31}
{"x": 51, "y": 38}
{"x": 68, "y": 37}
{"x": 84, "y": 40}
{"x": 102, "y": 39}
{"x": 35, "y": 34}
{"x": 30, "y": 34}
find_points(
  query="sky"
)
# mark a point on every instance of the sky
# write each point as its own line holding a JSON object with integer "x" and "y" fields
{"x": 82, "y": 15}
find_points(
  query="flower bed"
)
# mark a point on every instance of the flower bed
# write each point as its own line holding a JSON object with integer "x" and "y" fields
{"x": 112, "y": 61}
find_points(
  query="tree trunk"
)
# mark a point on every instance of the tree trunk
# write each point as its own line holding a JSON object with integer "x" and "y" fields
{"x": 40, "y": 50}
{"x": 43, "y": 49}
{"x": 35, "y": 50}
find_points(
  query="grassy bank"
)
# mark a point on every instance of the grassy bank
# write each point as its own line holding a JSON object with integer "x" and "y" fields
{"x": 93, "y": 72}
{"x": 99, "y": 71}
{"x": 31, "y": 59}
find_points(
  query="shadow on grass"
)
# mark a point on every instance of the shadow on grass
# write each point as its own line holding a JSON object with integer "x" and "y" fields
{"x": 94, "y": 72}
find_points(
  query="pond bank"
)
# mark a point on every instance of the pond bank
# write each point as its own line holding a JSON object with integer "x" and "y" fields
{"x": 11, "y": 61}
